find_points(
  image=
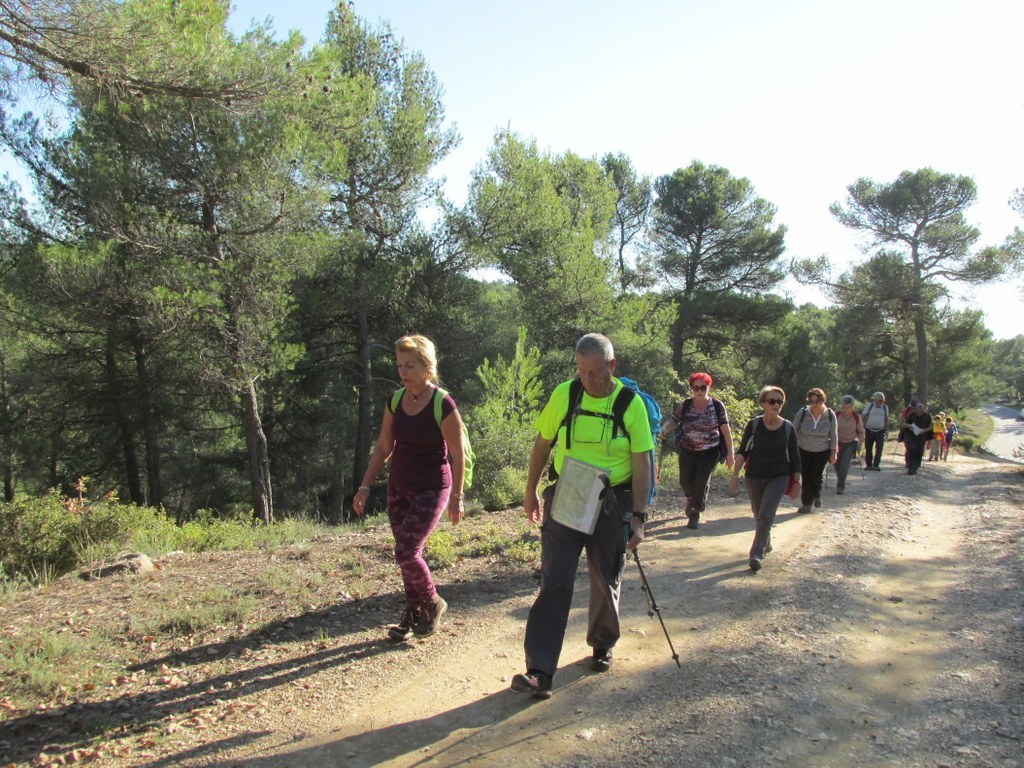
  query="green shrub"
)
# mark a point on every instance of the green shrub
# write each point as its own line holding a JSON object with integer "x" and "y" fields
{"x": 524, "y": 550}
{"x": 441, "y": 548}
{"x": 501, "y": 489}
{"x": 48, "y": 535}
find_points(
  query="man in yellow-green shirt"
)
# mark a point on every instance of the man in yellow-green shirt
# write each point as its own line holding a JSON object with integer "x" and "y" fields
{"x": 579, "y": 422}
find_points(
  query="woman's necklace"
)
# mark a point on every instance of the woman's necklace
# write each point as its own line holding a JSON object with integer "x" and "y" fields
{"x": 416, "y": 395}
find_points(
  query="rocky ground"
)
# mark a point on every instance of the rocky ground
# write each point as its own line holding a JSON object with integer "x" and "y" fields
{"x": 885, "y": 629}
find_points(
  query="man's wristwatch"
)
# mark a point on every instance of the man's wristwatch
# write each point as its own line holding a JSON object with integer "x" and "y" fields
{"x": 641, "y": 515}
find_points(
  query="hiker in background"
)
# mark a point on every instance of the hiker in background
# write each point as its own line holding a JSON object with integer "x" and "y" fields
{"x": 577, "y": 420}
{"x": 938, "y": 437}
{"x": 815, "y": 426}
{"x": 850, "y": 432}
{"x": 901, "y": 436}
{"x": 702, "y": 437}
{"x": 876, "y": 425}
{"x": 771, "y": 464}
{"x": 952, "y": 430}
{"x": 423, "y": 481}
{"x": 917, "y": 428}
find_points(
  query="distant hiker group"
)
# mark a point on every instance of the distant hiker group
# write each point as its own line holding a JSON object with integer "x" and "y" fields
{"x": 922, "y": 433}
{"x": 596, "y": 438}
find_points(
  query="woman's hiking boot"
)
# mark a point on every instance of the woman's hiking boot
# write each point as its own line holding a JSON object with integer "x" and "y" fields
{"x": 430, "y": 617}
{"x": 404, "y": 629}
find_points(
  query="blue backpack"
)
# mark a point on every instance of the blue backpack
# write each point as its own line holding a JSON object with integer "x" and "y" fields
{"x": 654, "y": 418}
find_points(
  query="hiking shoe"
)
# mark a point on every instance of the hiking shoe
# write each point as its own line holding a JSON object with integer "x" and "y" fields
{"x": 601, "y": 661}
{"x": 537, "y": 684}
{"x": 404, "y": 629}
{"x": 803, "y": 509}
{"x": 817, "y": 501}
{"x": 430, "y": 617}
{"x": 755, "y": 564}
{"x": 840, "y": 491}
{"x": 692, "y": 520}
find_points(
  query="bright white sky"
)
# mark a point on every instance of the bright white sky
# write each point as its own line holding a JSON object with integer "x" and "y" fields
{"x": 802, "y": 97}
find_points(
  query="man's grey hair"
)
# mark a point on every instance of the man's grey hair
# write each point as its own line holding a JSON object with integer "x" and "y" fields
{"x": 594, "y": 344}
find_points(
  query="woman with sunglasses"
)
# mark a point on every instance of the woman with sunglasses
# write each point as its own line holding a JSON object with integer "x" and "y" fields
{"x": 818, "y": 437}
{"x": 702, "y": 438}
{"x": 771, "y": 459}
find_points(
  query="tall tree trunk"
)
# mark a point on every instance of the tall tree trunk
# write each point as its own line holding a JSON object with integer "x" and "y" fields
{"x": 677, "y": 343}
{"x": 117, "y": 403}
{"x": 6, "y": 433}
{"x": 364, "y": 429}
{"x": 259, "y": 456}
{"x": 921, "y": 336}
{"x": 150, "y": 426}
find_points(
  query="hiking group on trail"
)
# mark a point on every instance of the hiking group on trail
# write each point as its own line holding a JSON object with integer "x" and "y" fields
{"x": 595, "y": 438}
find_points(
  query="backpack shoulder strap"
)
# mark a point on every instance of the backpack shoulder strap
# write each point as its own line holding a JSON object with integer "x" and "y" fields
{"x": 575, "y": 395}
{"x": 799, "y": 415}
{"x": 619, "y": 408}
{"x": 752, "y": 424}
{"x": 396, "y": 398}
{"x": 719, "y": 410}
{"x": 439, "y": 397}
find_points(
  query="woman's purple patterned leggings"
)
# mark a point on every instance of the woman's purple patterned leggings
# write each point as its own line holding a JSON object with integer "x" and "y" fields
{"x": 413, "y": 515}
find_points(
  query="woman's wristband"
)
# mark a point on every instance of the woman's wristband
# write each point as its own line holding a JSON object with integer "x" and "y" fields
{"x": 363, "y": 488}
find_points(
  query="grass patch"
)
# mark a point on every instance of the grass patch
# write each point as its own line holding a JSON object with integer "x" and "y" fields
{"x": 44, "y": 537}
{"x": 442, "y": 549}
{"x": 211, "y": 609}
{"x": 975, "y": 429}
{"x": 44, "y": 665}
{"x": 519, "y": 544}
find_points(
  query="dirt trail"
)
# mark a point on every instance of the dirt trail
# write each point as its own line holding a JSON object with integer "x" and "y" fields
{"x": 885, "y": 629}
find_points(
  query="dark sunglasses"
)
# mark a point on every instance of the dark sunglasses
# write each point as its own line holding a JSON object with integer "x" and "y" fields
{"x": 698, "y": 388}
{"x": 773, "y": 401}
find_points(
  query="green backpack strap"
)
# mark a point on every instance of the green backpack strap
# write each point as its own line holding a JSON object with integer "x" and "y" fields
{"x": 439, "y": 397}
{"x": 396, "y": 398}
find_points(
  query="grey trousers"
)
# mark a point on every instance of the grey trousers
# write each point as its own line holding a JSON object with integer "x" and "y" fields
{"x": 560, "y": 559}
{"x": 765, "y": 497}
{"x": 843, "y": 462}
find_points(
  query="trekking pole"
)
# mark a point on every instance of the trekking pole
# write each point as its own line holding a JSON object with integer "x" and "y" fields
{"x": 652, "y": 606}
